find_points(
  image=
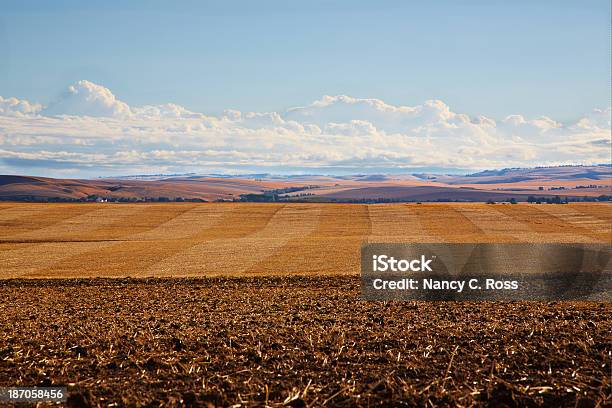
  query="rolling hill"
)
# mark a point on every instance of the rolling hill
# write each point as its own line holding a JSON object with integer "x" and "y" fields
{"x": 574, "y": 182}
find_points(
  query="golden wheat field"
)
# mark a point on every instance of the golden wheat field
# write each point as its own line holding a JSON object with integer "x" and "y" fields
{"x": 243, "y": 239}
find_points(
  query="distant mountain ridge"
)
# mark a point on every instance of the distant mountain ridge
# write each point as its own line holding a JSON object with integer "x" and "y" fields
{"x": 498, "y": 185}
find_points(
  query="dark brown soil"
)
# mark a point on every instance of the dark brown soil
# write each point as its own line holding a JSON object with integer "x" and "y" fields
{"x": 296, "y": 341}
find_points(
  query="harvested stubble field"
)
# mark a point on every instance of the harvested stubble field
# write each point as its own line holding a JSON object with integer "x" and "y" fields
{"x": 302, "y": 337}
{"x": 186, "y": 239}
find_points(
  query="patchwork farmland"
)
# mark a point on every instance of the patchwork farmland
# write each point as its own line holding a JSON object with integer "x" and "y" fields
{"x": 258, "y": 304}
{"x": 226, "y": 239}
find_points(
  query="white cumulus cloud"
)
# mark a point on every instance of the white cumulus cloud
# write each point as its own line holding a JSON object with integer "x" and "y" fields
{"x": 88, "y": 126}
{"x": 18, "y": 107}
{"x": 88, "y": 99}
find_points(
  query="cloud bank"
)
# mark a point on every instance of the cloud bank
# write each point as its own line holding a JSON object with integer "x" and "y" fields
{"x": 88, "y": 131}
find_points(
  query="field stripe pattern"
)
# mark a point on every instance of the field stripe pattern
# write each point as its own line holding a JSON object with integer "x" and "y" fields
{"x": 555, "y": 228}
{"x": 332, "y": 248}
{"x": 231, "y": 253}
{"x": 134, "y": 257}
{"x": 189, "y": 239}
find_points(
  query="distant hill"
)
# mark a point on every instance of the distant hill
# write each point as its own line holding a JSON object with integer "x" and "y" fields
{"x": 497, "y": 185}
{"x": 560, "y": 173}
{"x": 24, "y": 188}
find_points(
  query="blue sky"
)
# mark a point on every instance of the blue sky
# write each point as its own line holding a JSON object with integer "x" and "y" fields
{"x": 481, "y": 57}
{"x": 105, "y": 88}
